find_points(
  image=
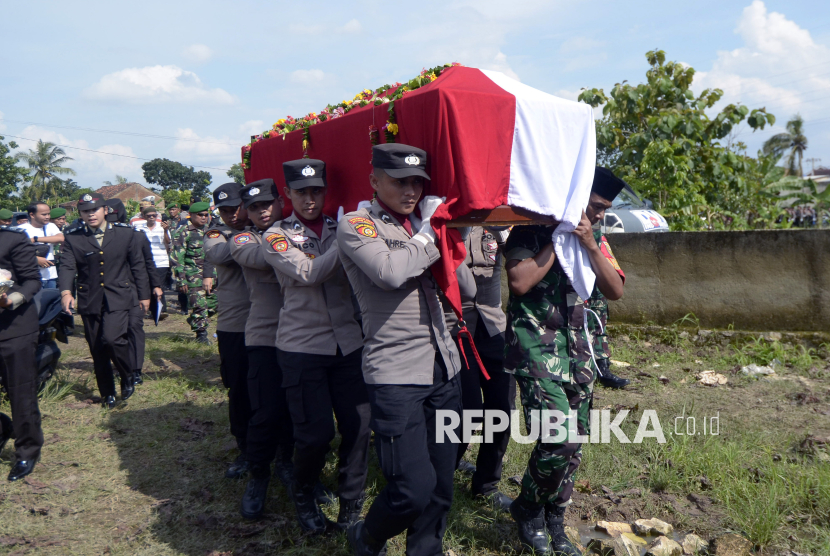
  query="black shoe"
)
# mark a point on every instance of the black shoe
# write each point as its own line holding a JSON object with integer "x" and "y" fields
{"x": 349, "y": 512}
{"x": 127, "y": 387}
{"x": 108, "y": 402}
{"x": 559, "y": 542}
{"x": 466, "y": 467}
{"x": 284, "y": 471}
{"x": 309, "y": 515}
{"x": 323, "y": 495}
{"x": 21, "y": 469}
{"x": 609, "y": 379}
{"x": 497, "y": 499}
{"x": 202, "y": 337}
{"x": 238, "y": 468}
{"x": 7, "y": 430}
{"x": 362, "y": 544}
{"x": 531, "y": 525}
{"x": 253, "y": 501}
{"x": 137, "y": 378}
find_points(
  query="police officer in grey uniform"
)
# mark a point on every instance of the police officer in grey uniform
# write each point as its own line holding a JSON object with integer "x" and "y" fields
{"x": 319, "y": 348}
{"x": 233, "y": 308}
{"x": 410, "y": 362}
{"x": 270, "y": 432}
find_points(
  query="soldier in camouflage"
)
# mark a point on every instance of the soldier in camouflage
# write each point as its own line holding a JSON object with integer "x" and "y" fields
{"x": 188, "y": 260}
{"x": 549, "y": 350}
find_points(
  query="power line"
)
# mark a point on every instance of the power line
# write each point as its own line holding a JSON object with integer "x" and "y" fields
{"x": 102, "y": 152}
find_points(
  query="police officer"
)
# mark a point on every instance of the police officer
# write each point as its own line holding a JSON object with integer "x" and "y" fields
{"x": 551, "y": 359}
{"x": 486, "y": 322}
{"x": 410, "y": 362}
{"x": 233, "y": 307}
{"x": 18, "y": 342}
{"x": 112, "y": 280}
{"x": 319, "y": 347}
{"x": 270, "y": 432}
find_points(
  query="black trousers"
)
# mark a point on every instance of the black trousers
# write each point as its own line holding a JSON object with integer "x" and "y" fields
{"x": 163, "y": 278}
{"x": 107, "y": 335}
{"x": 314, "y": 386}
{"x": 136, "y": 338}
{"x": 418, "y": 470}
{"x": 269, "y": 428}
{"x": 477, "y": 393}
{"x": 19, "y": 368}
{"x": 233, "y": 367}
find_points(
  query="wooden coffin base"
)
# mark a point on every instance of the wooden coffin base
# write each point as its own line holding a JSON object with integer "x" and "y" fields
{"x": 501, "y": 216}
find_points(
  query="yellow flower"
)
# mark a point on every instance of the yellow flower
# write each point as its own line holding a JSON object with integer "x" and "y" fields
{"x": 432, "y": 77}
{"x": 347, "y": 101}
{"x": 393, "y": 128}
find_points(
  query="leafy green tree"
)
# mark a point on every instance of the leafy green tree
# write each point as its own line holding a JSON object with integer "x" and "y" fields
{"x": 793, "y": 140}
{"x": 658, "y": 137}
{"x": 169, "y": 174}
{"x": 174, "y": 196}
{"x": 237, "y": 174}
{"x": 11, "y": 175}
{"x": 118, "y": 180}
{"x": 46, "y": 163}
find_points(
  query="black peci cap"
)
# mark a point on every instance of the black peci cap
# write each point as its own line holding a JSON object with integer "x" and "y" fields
{"x": 306, "y": 172}
{"x": 116, "y": 211}
{"x": 606, "y": 184}
{"x": 90, "y": 201}
{"x": 400, "y": 161}
{"x": 260, "y": 190}
{"x": 227, "y": 195}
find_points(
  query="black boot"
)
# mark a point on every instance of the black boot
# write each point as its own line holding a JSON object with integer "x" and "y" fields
{"x": 324, "y": 495}
{"x": 349, "y": 513}
{"x": 309, "y": 515}
{"x": 108, "y": 402}
{"x": 127, "y": 387}
{"x": 362, "y": 543}
{"x": 7, "y": 430}
{"x": 531, "y": 524}
{"x": 253, "y": 501}
{"x": 21, "y": 469}
{"x": 202, "y": 337}
{"x": 559, "y": 542}
{"x": 607, "y": 378}
{"x": 237, "y": 468}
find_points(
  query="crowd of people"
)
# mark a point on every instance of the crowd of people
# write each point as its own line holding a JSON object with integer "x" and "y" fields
{"x": 329, "y": 325}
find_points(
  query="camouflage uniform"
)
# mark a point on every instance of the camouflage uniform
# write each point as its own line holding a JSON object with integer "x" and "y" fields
{"x": 547, "y": 349}
{"x": 599, "y": 305}
{"x": 188, "y": 260}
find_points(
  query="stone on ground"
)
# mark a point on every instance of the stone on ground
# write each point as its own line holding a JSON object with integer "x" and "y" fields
{"x": 664, "y": 546}
{"x": 652, "y": 527}
{"x": 692, "y": 544}
{"x": 730, "y": 544}
{"x": 613, "y": 528}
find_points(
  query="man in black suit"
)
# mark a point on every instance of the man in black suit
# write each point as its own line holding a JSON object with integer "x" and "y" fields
{"x": 18, "y": 342}
{"x": 112, "y": 280}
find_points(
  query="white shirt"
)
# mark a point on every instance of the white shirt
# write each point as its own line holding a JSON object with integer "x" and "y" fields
{"x": 48, "y": 273}
{"x": 156, "y": 237}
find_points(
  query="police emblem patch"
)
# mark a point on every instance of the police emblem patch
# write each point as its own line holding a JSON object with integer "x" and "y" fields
{"x": 253, "y": 191}
{"x": 213, "y": 234}
{"x": 242, "y": 239}
{"x": 308, "y": 171}
{"x": 278, "y": 242}
{"x": 364, "y": 226}
{"x": 222, "y": 195}
{"x": 412, "y": 160}
{"x": 87, "y": 198}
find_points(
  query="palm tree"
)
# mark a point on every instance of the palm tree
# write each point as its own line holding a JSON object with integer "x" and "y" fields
{"x": 45, "y": 165}
{"x": 794, "y": 140}
{"x": 118, "y": 180}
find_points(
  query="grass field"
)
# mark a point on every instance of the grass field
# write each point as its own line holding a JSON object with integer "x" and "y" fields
{"x": 146, "y": 478}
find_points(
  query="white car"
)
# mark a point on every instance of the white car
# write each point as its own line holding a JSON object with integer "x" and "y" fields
{"x": 630, "y": 214}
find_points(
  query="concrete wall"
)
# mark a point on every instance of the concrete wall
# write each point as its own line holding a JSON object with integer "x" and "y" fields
{"x": 759, "y": 280}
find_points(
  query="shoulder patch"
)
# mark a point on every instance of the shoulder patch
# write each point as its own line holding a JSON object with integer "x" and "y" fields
{"x": 212, "y": 234}
{"x": 243, "y": 238}
{"x": 120, "y": 225}
{"x": 277, "y": 242}
{"x": 364, "y": 226}
{"x": 606, "y": 250}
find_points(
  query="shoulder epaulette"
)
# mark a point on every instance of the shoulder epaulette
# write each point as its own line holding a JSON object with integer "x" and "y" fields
{"x": 120, "y": 225}
{"x": 12, "y": 229}
{"x": 77, "y": 230}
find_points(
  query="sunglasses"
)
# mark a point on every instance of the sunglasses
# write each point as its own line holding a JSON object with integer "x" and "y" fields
{"x": 153, "y": 215}
{"x": 203, "y": 214}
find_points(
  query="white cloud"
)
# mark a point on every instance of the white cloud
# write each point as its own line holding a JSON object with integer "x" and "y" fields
{"x": 352, "y": 26}
{"x": 156, "y": 84}
{"x": 307, "y": 77}
{"x": 252, "y": 127}
{"x": 198, "y": 53}
{"x": 214, "y": 149}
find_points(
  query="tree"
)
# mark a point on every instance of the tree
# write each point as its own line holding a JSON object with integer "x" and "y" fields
{"x": 11, "y": 175}
{"x": 45, "y": 165}
{"x": 237, "y": 174}
{"x": 794, "y": 140}
{"x": 118, "y": 180}
{"x": 658, "y": 137}
{"x": 169, "y": 174}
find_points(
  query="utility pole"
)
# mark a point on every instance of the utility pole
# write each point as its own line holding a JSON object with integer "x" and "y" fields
{"x": 812, "y": 162}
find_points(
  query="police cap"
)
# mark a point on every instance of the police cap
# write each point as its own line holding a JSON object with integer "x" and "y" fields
{"x": 400, "y": 161}
{"x": 90, "y": 201}
{"x": 306, "y": 172}
{"x": 116, "y": 211}
{"x": 260, "y": 190}
{"x": 227, "y": 195}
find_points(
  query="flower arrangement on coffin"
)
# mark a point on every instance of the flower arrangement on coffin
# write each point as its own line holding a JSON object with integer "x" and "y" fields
{"x": 387, "y": 94}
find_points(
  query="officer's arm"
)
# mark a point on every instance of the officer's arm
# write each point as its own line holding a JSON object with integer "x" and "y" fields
{"x": 526, "y": 264}
{"x": 246, "y": 251}
{"x": 609, "y": 282}
{"x": 138, "y": 266}
{"x": 66, "y": 269}
{"x": 289, "y": 261}
{"x": 466, "y": 282}
{"x": 217, "y": 251}
{"x": 388, "y": 269}
{"x": 26, "y": 271}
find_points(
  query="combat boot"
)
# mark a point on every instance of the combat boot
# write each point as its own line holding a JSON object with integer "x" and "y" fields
{"x": 559, "y": 542}
{"x": 253, "y": 501}
{"x": 202, "y": 337}
{"x": 349, "y": 512}
{"x": 362, "y": 543}
{"x": 309, "y": 515}
{"x": 607, "y": 378}
{"x": 530, "y": 521}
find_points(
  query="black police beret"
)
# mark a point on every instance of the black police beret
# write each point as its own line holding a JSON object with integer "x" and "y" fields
{"x": 400, "y": 161}
{"x": 260, "y": 190}
{"x": 227, "y": 195}
{"x": 306, "y": 172}
{"x": 606, "y": 184}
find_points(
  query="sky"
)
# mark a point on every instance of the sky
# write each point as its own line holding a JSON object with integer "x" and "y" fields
{"x": 192, "y": 81}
